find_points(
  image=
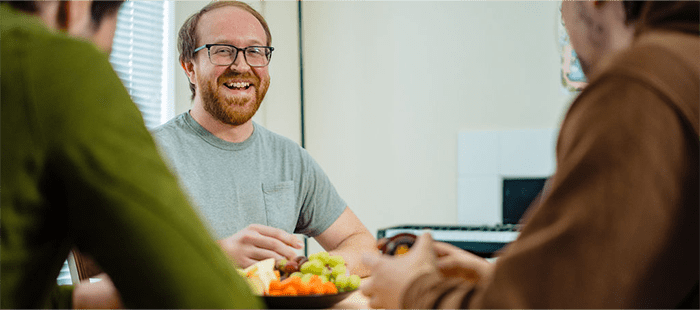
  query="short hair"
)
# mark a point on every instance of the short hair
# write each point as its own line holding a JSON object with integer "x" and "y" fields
{"x": 24, "y": 6}
{"x": 98, "y": 9}
{"x": 187, "y": 37}
{"x": 676, "y": 15}
{"x": 633, "y": 10}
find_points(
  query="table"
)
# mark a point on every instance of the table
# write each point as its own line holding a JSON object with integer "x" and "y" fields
{"x": 356, "y": 300}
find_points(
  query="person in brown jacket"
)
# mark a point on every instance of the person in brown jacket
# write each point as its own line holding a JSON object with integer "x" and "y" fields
{"x": 618, "y": 226}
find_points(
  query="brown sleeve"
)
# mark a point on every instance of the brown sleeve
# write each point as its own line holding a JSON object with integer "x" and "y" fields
{"x": 433, "y": 291}
{"x": 619, "y": 227}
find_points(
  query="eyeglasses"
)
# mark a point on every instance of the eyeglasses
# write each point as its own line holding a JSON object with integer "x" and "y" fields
{"x": 226, "y": 54}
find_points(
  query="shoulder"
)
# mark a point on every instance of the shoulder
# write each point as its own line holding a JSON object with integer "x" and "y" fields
{"x": 52, "y": 63}
{"x": 276, "y": 140}
{"x": 647, "y": 92}
{"x": 281, "y": 148}
{"x": 661, "y": 70}
{"x": 172, "y": 132}
{"x": 665, "y": 54}
{"x": 64, "y": 78}
{"x": 171, "y": 127}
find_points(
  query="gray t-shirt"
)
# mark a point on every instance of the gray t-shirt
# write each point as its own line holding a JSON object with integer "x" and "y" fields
{"x": 266, "y": 179}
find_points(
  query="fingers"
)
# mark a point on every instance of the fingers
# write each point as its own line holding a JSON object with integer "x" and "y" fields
{"x": 445, "y": 250}
{"x": 375, "y": 292}
{"x": 451, "y": 264}
{"x": 258, "y": 242}
{"x": 266, "y": 244}
{"x": 259, "y": 253}
{"x": 442, "y": 249}
{"x": 423, "y": 244}
{"x": 246, "y": 253}
{"x": 421, "y": 257}
{"x": 382, "y": 242}
{"x": 374, "y": 298}
{"x": 370, "y": 259}
{"x": 390, "y": 276}
{"x": 456, "y": 262}
{"x": 281, "y": 235}
{"x": 366, "y": 287}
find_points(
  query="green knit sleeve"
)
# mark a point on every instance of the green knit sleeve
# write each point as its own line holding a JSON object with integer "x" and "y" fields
{"x": 61, "y": 297}
{"x": 125, "y": 206}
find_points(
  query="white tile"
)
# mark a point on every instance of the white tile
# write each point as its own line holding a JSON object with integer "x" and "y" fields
{"x": 477, "y": 153}
{"x": 479, "y": 200}
{"x": 486, "y": 157}
{"x": 527, "y": 153}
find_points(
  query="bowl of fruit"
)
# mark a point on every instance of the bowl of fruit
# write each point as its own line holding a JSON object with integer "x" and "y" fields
{"x": 319, "y": 281}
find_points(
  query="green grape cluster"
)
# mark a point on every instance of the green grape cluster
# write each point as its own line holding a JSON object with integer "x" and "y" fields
{"x": 329, "y": 268}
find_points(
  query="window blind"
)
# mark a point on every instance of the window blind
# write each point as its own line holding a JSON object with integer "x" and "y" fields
{"x": 142, "y": 57}
{"x": 140, "y": 54}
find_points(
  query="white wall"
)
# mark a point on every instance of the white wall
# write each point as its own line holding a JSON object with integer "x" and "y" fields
{"x": 388, "y": 86}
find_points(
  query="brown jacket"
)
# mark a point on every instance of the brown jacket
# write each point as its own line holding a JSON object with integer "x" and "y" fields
{"x": 618, "y": 227}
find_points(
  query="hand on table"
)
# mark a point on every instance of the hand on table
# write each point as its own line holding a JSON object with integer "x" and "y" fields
{"x": 258, "y": 242}
{"x": 391, "y": 275}
{"x": 455, "y": 262}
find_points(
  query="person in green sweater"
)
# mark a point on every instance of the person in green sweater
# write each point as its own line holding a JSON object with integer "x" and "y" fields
{"x": 79, "y": 168}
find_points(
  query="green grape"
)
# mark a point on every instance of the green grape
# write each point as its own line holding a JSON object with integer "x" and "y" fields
{"x": 338, "y": 270}
{"x": 336, "y": 260}
{"x": 296, "y": 274}
{"x": 306, "y": 277}
{"x": 324, "y": 278}
{"x": 341, "y": 281}
{"x": 312, "y": 266}
{"x": 321, "y": 256}
{"x": 315, "y": 256}
{"x": 281, "y": 263}
{"x": 354, "y": 282}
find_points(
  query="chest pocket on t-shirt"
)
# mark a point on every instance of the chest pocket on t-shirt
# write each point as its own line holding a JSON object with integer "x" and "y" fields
{"x": 280, "y": 205}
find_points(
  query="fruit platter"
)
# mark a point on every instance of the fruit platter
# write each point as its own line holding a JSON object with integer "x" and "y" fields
{"x": 319, "y": 281}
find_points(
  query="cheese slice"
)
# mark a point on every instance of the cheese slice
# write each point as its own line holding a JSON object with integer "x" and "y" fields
{"x": 259, "y": 275}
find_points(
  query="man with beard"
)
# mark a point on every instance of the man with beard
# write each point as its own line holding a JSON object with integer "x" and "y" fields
{"x": 254, "y": 187}
{"x": 618, "y": 226}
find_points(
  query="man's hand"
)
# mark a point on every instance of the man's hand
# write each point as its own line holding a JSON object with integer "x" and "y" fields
{"x": 258, "y": 242}
{"x": 391, "y": 275}
{"x": 455, "y": 262}
{"x": 98, "y": 295}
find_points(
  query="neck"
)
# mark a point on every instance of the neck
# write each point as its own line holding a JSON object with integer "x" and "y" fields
{"x": 618, "y": 38}
{"x": 223, "y": 131}
{"x": 621, "y": 37}
{"x": 618, "y": 34}
{"x": 48, "y": 13}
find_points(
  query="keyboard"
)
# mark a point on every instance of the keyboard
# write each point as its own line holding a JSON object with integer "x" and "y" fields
{"x": 481, "y": 240}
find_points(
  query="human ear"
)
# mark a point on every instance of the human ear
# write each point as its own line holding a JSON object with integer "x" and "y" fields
{"x": 188, "y": 66}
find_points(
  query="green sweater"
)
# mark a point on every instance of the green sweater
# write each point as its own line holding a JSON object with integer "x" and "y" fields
{"x": 80, "y": 168}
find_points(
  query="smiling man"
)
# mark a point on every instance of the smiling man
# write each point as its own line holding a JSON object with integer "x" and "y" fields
{"x": 254, "y": 187}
